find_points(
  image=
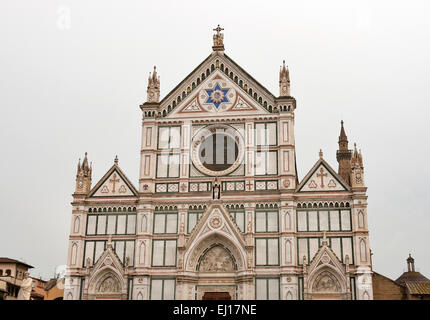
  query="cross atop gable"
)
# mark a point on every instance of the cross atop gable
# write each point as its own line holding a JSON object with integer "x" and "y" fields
{"x": 322, "y": 178}
{"x": 114, "y": 184}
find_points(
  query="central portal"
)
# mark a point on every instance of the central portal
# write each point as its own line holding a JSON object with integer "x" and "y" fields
{"x": 216, "y": 296}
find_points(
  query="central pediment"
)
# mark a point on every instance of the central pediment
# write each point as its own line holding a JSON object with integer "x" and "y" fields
{"x": 217, "y": 86}
{"x": 217, "y": 95}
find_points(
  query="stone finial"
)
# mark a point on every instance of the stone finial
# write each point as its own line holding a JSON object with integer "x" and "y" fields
{"x": 321, "y": 154}
{"x": 83, "y": 176}
{"x": 116, "y": 160}
{"x": 109, "y": 242}
{"x": 153, "y": 90}
{"x": 324, "y": 241}
{"x": 284, "y": 81}
{"x": 218, "y": 39}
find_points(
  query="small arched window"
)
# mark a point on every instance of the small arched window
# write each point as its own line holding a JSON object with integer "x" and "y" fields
{"x": 288, "y": 252}
{"x": 76, "y": 225}
{"x": 287, "y": 221}
{"x": 361, "y": 220}
{"x": 363, "y": 251}
{"x": 74, "y": 253}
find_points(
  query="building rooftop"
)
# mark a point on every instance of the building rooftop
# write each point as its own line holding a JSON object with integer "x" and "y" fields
{"x": 9, "y": 260}
{"x": 418, "y": 288}
{"x": 412, "y": 276}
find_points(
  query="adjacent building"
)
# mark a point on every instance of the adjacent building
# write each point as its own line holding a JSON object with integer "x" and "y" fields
{"x": 411, "y": 285}
{"x": 12, "y": 274}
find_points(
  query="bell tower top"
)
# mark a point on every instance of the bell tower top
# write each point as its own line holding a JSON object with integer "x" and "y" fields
{"x": 218, "y": 39}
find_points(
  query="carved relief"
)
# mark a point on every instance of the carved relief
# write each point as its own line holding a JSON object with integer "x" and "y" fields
{"x": 326, "y": 282}
{"x": 109, "y": 285}
{"x": 217, "y": 259}
{"x": 212, "y": 241}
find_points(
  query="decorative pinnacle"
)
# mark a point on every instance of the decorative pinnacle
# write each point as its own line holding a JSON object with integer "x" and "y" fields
{"x": 218, "y": 39}
{"x": 324, "y": 241}
{"x": 116, "y": 160}
{"x": 321, "y": 154}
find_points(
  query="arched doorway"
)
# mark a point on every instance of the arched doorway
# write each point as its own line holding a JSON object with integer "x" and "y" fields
{"x": 327, "y": 285}
{"x": 106, "y": 286}
{"x": 215, "y": 261}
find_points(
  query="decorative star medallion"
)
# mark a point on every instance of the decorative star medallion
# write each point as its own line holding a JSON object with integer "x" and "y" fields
{"x": 217, "y": 95}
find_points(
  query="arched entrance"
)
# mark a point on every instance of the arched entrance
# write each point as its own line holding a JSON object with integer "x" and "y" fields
{"x": 215, "y": 261}
{"x": 327, "y": 285}
{"x": 106, "y": 286}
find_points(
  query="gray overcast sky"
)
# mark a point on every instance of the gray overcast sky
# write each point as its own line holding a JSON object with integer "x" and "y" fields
{"x": 73, "y": 73}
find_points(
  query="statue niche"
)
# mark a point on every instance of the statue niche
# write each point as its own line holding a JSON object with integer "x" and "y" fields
{"x": 217, "y": 259}
{"x": 326, "y": 282}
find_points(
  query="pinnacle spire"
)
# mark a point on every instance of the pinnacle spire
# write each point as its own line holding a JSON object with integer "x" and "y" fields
{"x": 284, "y": 81}
{"x": 83, "y": 176}
{"x": 85, "y": 166}
{"x": 153, "y": 90}
{"x": 343, "y": 139}
{"x": 116, "y": 160}
{"x": 344, "y": 155}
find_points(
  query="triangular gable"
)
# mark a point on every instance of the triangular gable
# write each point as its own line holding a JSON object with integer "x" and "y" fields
{"x": 217, "y": 61}
{"x": 215, "y": 220}
{"x": 325, "y": 256}
{"x": 322, "y": 178}
{"x": 218, "y": 95}
{"x": 108, "y": 258}
{"x": 114, "y": 184}
{"x": 108, "y": 262}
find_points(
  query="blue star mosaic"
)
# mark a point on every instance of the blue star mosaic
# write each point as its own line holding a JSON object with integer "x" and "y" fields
{"x": 217, "y": 96}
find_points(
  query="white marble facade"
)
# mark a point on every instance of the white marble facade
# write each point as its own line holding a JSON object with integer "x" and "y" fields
{"x": 218, "y": 211}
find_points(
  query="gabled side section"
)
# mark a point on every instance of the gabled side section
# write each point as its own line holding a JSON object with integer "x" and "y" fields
{"x": 114, "y": 184}
{"x": 322, "y": 178}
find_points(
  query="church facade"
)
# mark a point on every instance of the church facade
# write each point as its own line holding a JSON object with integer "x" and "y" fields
{"x": 219, "y": 211}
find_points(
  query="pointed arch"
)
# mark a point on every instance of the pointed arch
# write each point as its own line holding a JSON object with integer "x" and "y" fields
{"x": 76, "y": 224}
{"x": 366, "y": 296}
{"x": 74, "y": 254}
{"x": 69, "y": 296}
{"x": 217, "y": 258}
{"x": 288, "y": 252}
{"x": 289, "y": 295}
{"x": 142, "y": 252}
{"x": 140, "y": 296}
{"x": 363, "y": 250}
{"x": 195, "y": 253}
{"x": 144, "y": 224}
{"x": 361, "y": 219}
{"x": 326, "y": 281}
{"x": 287, "y": 220}
{"x": 108, "y": 283}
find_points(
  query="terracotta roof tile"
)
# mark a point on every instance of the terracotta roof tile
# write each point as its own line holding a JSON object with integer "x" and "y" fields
{"x": 419, "y": 288}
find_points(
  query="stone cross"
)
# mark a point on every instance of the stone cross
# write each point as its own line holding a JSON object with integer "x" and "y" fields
{"x": 114, "y": 180}
{"x": 249, "y": 185}
{"x": 218, "y": 30}
{"x": 322, "y": 175}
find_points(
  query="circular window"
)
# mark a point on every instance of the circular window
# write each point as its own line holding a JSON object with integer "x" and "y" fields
{"x": 217, "y": 150}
